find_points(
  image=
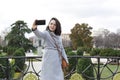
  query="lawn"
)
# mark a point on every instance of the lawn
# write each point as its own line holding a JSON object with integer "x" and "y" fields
{"x": 108, "y": 71}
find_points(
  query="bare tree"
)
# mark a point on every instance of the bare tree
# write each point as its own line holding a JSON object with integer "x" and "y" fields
{"x": 107, "y": 39}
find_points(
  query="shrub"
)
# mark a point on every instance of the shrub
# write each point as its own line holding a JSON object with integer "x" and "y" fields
{"x": 12, "y": 62}
{"x": 72, "y": 62}
{"x": 3, "y": 65}
{"x": 107, "y": 52}
{"x": 0, "y": 47}
{"x": 11, "y": 50}
{"x": 19, "y": 62}
{"x": 118, "y": 53}
{"x": 68, "y": 49}
{"x": 95, "y": 51}
{"x": 5, "y": 49}
{"x": 80, "y": 51}
{"x": 30, "y": 76}
{"x": 76, "y": 76}
{"x": 84, "y": 67}
{"x": 22, "y": 50}
{"x": 117, "y": 76}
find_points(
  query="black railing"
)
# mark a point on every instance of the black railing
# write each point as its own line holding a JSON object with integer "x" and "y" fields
{"x": 24, "y": 67}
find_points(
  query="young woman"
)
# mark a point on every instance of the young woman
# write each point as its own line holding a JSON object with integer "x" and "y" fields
{"x": 51, "y": 60}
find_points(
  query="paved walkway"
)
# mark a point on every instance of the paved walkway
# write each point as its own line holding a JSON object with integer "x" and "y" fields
{"x": 36, "y": 64}
{"x": 103, "y": 60}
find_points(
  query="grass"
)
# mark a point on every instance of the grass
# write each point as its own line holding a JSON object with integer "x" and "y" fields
{"x": 108, "y": 71}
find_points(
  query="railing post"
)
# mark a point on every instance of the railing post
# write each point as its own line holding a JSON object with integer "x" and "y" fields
{"x": 7, "y": 71}
{"x": 98, "y": 74}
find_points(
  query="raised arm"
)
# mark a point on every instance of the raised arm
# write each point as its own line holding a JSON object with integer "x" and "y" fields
{"x": 38, "y": 33}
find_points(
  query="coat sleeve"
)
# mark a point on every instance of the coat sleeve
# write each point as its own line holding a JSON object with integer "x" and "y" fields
{"x": 63, "y": 52}
{"x": 39, "y": 34}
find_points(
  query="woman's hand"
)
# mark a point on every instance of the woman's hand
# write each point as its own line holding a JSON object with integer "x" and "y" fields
{"x": 34, "y": 26}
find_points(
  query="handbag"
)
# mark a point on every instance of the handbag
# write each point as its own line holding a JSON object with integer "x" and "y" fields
{"x": 64, "y": 64}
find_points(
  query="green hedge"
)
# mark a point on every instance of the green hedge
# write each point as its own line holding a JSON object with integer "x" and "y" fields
{"x": 19, "y": 62}
{"x": 84, "y": 63}
{"x": 105, "y": 52}
{"x": 3, "y": 69}
{"x": 11, "y": 50}
{"x": 95, "y": 51}
{"x": 80, "y": 51}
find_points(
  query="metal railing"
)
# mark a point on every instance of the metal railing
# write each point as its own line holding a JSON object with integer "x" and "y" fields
{"x": 24, "y": 67}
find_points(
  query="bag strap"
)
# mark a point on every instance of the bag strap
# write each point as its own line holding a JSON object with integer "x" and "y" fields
{"x": 59, "y": 52}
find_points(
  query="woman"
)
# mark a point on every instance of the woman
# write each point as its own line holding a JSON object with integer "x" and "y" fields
{"x": 51, "y": 62}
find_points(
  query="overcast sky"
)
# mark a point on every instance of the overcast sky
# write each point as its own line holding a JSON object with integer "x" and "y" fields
{"x": 96, "y": 13}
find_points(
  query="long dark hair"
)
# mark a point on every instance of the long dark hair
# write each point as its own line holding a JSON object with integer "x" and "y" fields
{"x": 58, "y": 26}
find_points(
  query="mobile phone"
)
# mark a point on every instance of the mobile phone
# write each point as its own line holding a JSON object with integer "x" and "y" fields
{"x": 40, "y": 22}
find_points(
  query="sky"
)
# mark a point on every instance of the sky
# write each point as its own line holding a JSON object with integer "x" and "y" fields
{"x": 96, "y": 13}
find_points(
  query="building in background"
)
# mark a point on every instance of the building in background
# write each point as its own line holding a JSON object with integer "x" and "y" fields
{"x": 3, "y": 42}
{"x": 66, "y": 40}
{"x": 37, "y": 42}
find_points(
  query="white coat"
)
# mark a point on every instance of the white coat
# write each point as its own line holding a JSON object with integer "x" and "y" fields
{"x": 51, "y": 62}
